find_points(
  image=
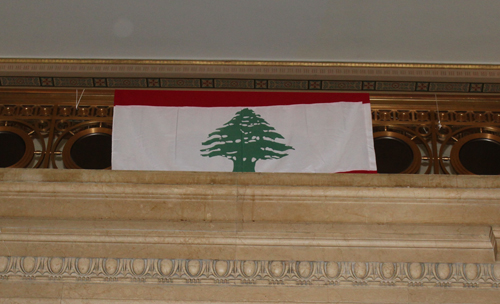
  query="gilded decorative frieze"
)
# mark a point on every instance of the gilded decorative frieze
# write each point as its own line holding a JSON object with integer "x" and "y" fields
{"x": 367, "y": 84}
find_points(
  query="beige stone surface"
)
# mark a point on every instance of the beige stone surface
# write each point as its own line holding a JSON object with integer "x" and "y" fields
{"x": 85, "y": 293}
{"x": 33, "y": 301}
{"x": 428, "y": 231}
{"x": 247, "y": 241}
{"x": 194, "y": 196}
{"x": 269, "y": 179}
{"x": 496, "y": 237}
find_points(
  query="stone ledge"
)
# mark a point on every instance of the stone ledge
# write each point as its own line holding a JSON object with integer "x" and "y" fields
{"x": 262, "y": 179}
{"x": 255, "y": 241}
{"x": 378, "y": 229}
{"x": 125, "y": 214}
{"x": 54, "y": 292}
{"x": 258, "y": 197}
{"x": 227, "y": 197}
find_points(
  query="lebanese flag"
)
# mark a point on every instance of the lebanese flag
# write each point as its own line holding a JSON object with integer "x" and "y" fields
{"x": 242, "y": 131}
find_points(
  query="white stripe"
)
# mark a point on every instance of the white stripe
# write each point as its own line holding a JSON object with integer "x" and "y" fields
{"x": 332, "y": 137}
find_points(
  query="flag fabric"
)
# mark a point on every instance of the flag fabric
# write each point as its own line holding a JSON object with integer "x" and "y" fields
{"x": 242, "y": 131}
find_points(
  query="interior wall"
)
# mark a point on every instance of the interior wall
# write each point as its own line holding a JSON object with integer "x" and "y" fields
{"x": 420, "y": 31}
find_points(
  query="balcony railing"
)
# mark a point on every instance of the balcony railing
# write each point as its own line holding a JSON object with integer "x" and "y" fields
{"x": 411, "y": 133}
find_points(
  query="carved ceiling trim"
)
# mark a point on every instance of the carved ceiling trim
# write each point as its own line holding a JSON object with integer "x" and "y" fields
{"x": 249, "y": 69}
{"x": 260, "y": 84}
{"x": 252, "y": 63}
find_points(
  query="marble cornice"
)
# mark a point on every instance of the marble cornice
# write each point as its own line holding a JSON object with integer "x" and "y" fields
{"x": 384, "y": 218}
{"x": 227, "y": 197}
{"x": 109, "y": 237}
{"x": 254, "y": 241}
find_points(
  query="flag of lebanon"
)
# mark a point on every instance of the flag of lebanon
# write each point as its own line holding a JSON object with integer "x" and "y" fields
{"x": 242, "y": 131}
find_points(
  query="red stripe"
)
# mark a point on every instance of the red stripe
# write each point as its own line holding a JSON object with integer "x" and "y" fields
{"x": 360, "y": 172}
{"x": 230, "y": 98}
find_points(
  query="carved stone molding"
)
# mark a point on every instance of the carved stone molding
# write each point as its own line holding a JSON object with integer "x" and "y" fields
{"x": 248, "y": 241}
{"x": 258, "y": 197}
{"x": 250, "y": 272}
{"x": 109, "y": 237}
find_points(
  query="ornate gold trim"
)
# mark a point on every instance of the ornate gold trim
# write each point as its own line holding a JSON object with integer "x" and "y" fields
{"x": 252, "y": 63}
